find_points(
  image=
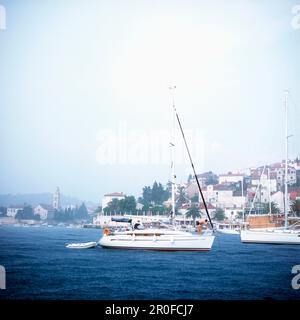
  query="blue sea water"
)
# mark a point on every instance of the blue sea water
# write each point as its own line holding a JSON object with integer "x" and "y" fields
{"x": 39, "y": 266}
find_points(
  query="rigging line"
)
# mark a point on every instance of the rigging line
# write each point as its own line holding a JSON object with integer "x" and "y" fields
{"x": 293, "y": 101}
{"x": 256, "y": 191}
{"x": 192, "y": 164}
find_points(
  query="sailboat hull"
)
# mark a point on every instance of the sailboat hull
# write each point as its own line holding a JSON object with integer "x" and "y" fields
{"x": 270, "y": 237}
{"x": 194, "y": 243}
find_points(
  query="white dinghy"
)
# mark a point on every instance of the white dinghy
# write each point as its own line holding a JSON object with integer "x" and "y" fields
{"x": 83, "y": 245}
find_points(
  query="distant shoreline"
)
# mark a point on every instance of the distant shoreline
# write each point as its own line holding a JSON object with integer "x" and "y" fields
{"x": 12, "y": 221}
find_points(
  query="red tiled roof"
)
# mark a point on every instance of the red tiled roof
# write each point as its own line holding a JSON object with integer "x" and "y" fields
{"x": 295, "y": 194}
{"x": 209, "y": 206}
{"x": 280, "y": 165}
{"x": 276, "y": 165}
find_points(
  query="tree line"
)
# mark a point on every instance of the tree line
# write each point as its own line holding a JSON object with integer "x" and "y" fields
{"x": 68, "y": 214}
{"x": 151, "y": 200}
{"x": 127, "y": 205}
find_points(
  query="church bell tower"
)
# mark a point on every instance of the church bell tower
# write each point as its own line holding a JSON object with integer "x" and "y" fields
{"x": 56, "y": 199}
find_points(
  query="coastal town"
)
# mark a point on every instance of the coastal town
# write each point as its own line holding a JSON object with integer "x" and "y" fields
{"x": 230, "y": 197}
{"x": 150, "y": 157}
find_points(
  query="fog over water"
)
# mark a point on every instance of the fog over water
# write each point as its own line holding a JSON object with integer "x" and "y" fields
{"x": 84, "y": 98}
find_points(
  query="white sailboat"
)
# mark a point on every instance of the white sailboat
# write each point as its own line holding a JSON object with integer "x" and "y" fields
{"x": 162, "y": 239}
{"x": 273, "y": 236}
{"x": 286, "y": 234}
{"x": 157, "y": 239}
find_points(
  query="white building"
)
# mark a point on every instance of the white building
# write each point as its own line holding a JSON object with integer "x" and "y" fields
{"x": 12, "y": 211}
{"x": 45, "y": 211}
{"x": 291, "y": 175}
{"x": 263, "y": 195}
{"x": 278, "y": 199}
{"x": 217, "y": 194}
{"x": 265, "y": 182}
{"x": 277, "y": 171}
{"x": 295, "y": 164}
{"x": 109, "y": 197}
{"x": 266, "y": 185}
{"x": 238, "y": 201}
{"x": 223, "y": 196}
{"x": 231, "y": 177}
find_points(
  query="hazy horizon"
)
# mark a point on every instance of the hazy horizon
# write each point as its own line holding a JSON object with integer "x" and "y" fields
{"x": 84, "y": 98}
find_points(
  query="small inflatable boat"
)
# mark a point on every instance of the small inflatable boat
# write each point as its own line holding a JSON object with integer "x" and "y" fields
{"x": 84, "y": 245}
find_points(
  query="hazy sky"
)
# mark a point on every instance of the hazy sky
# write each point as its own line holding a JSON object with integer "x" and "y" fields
{"x": 84, "y": 98}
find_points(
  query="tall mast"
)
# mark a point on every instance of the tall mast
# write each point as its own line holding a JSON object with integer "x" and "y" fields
{"x": 286, "y": 162}
{"x": 193, "y": 167}
{"x": 172, "y": 145}
{"x": 269, "y": 187}
{"x": 243, "y": 198}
